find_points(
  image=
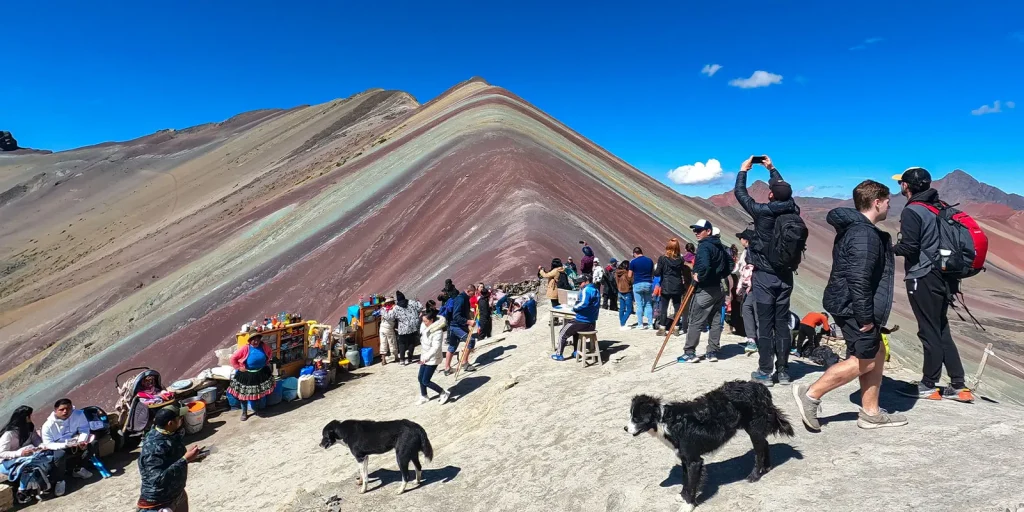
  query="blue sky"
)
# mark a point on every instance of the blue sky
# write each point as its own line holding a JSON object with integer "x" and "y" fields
{"x": 866, "y": 89}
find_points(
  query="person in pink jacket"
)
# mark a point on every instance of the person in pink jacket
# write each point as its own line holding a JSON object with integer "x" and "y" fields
{"x": 252, "y": 379}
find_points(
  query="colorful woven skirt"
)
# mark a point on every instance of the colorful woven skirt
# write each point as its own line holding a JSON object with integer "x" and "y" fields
{"x": 252, "y": 384}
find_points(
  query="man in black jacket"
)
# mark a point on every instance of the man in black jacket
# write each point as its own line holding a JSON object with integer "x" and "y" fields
{"x": 458, "y": 330}
{"x": 771, "y": 287}
{"x": 710, "y": 265}
{"x": 163, "y": 463}
{"x": 859, "y": 297}
{"x": 608, "y": 287}
{"x": 928, "y": 291}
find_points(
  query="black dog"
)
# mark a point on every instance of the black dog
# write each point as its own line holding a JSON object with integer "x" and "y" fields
{"x": 703, "y": 425}
{"x": 365, "y": 438}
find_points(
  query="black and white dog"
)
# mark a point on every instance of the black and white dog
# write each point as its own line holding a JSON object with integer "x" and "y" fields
{"x": 364, "y": 438}
{"x": 705, "y": 424}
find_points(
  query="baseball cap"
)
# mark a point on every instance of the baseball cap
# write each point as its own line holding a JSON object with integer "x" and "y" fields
{"x": 915, "y": 177}
{"x": 701, "y": 224}
{"x": 613, "y": 260}
{"x": 168, "y": 414}
{"x": 746, "y": 234}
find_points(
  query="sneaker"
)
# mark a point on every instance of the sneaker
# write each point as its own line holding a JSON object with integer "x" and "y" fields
{"x": 680, "y": 333}
{"x": 882, "y": 419}
{"x": 660, "y": 333}
{"x": 809, "y": 407}
{"x": 557, "y": 357}
{"x": 763, "y": 378}
{"x": 959, "y": 394}
{"x": 645, "y": 327}
{"x": 794, "y": 352}
{"x": 688, "y": 358}
{"x": 60, "y": 488}
{"x": 444, "y": 397}
{"x": 625, "y": 328}
{"x": 920, "y": 391}
{"x": 750, "y": 347}
{"x": 783, "y": 378}
{"x": 82, "y": 473}
{"x": 469, "y": 368}
{"x": 422, "y": 400}
{"x": 711, "y": 357}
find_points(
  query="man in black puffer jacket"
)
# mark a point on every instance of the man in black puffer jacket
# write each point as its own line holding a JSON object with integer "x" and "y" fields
{"x": 710, "y": 266}
{"x": 771, "y": 288}
{"x": 859, "y": 297}
{"x": 163, "y": 463}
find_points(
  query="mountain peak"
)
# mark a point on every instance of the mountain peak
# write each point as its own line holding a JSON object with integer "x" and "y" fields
{"x": 960, "y": 187}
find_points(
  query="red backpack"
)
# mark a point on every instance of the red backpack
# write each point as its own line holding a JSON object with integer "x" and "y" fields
{"x": 962, "y": 237}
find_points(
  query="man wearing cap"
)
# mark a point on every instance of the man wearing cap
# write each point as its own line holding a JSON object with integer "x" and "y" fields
{"x": 709, "y": 268}
{"x": 745, "y": 270}
{"x": 772, "y": 287}
{"x": 608, "y": 286}
{"x": 163, "y": 463}
{"x": 928, "y": 290}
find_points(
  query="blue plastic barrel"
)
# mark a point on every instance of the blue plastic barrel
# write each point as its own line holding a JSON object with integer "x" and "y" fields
{"x": 367, "y": 355}
{"x": 275, "y": 396}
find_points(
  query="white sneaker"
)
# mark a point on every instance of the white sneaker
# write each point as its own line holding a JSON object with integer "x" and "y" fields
{"x": 445, "y": 396}
{"x": 625, "y": 328}
{"x": 82, "y": 473}
{"x": 422, "y": 400}
{"x": 645, "y": 327}
{"x": 60, "y": 488}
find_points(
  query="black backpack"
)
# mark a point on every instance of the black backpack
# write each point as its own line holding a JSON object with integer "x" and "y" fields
{"x": 563, "y": 281}
{"x": 724, "y": 264}
{"x": 789, "y": 240}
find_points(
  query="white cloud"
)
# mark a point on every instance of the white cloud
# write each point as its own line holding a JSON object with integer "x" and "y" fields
{"x": 696, "y": 174}
{"x": 1010, "y": 104}
{"x": 710, "y": 69}
{"x": 1018, "y": 36}
{"x": 867, "y": 42}
{"x": 985, "y": 109}
{"x": 758, "y": 79}
{"x": 808, "y": 190}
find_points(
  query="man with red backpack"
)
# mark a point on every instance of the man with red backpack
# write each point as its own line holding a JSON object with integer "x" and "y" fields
{"x": 929, "y": 290}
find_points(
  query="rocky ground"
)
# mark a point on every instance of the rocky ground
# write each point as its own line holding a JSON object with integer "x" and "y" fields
{"x": 527, "y": 433}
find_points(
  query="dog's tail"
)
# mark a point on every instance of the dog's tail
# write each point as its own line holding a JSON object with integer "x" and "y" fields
{"x": 778, "y": 423}
{"x": 428, "y": 451}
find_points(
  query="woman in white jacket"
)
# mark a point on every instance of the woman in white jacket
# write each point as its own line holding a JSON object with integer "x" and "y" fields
{"x": 431, "y": 338}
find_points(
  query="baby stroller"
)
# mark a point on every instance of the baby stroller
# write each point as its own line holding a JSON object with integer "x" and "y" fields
{"x": 132, "y": 418}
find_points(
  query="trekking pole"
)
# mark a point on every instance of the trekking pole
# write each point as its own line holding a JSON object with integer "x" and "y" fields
{"x": 679, "y": 312}
{"x": 464, "y": 356}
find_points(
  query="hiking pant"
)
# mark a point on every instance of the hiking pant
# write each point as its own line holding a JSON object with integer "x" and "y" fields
{"x": 611, "y": 300}
{"x": 625, "y": 308}
{"x": 771, "y": 309}
{"x": 406, "y": 345}
{"x": 707, "y": 304}
{"x": 427, "y": 373}
{"x": 570, "y": 328}
{"x": 388, "y": 343}
{"x": 664, "y": 319}
{"x": 929, "y": 298}
{"x": 644, "y": 309}
{"x": 806, "y": 339}
{"x": 749, "y": 321}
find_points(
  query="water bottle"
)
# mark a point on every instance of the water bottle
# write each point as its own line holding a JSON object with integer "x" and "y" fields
{"x": 945, "y": 254}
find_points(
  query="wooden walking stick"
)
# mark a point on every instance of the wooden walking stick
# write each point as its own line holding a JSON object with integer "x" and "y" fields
{"x": 464, "y": 356}
{"x": 679, "y": 312}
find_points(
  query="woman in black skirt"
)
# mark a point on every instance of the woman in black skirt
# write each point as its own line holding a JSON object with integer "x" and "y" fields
{"x": 252, "y": 379}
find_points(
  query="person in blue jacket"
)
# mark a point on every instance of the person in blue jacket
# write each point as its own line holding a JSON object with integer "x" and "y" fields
{"x": 586, "y": 308}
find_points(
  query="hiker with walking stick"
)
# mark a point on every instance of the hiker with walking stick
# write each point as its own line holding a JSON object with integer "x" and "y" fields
{"x": 709, "y": 269}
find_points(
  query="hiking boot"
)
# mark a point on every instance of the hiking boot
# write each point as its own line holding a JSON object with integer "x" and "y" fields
{"x": 783, "y": 378}
{"x": 882, "y": 419}
{"x": 809, "y": 407}
{"x": 763, "y": 378}
{"x": 750, "y": 347}
{"x": 688, "y": 358}
{"x": 60, "y": 488}
{"x": 958, "y": 394}
{"x": 711, "y": 357}
{"x": 919, "y": 391}
{"x": 660, "y": 333}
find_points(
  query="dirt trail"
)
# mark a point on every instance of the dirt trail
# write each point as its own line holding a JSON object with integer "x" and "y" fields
{"x": 527, "y": 433}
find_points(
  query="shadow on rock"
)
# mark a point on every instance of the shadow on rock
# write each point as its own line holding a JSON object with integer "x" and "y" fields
{"x": 609, "y": 348}
{"x": 493, "y": 355}
{"x": 466, "y": 386}
{"x": 888, "y": 398}
{"x": 732, "y": 470}
{"x": 800, "y": 369}
{"x": 430, "y": 476}
{"x": 730, "y": 350}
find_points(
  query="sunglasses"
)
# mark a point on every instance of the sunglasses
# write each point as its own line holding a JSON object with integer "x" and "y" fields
{"x": 697, "y": 231}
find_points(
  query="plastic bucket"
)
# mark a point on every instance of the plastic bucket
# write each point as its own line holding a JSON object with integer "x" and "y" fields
{"x": 274, "y": 397}
{"x": 367, "y": 356}
{"x": 207, "y": 395}
{"x": 307, "y": 386}
{"x": 289, "y": 389}
{"x": 320, "y": 376}
{"x": 195, "y": 417}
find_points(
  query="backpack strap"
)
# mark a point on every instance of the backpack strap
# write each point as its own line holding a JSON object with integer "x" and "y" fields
{"x": 926, "y": 206}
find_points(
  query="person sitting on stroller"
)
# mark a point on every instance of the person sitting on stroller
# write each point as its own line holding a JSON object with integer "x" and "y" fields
{"x": 150, "y": 392}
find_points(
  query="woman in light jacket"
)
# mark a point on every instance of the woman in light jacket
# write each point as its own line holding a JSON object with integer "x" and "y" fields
{"x": 431, "y": 338}
{"x": 19, "y": 439}
{"x": 552, "y": 277}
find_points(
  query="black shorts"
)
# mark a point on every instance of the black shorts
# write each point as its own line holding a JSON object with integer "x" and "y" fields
{"x": 862, "y": 345}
